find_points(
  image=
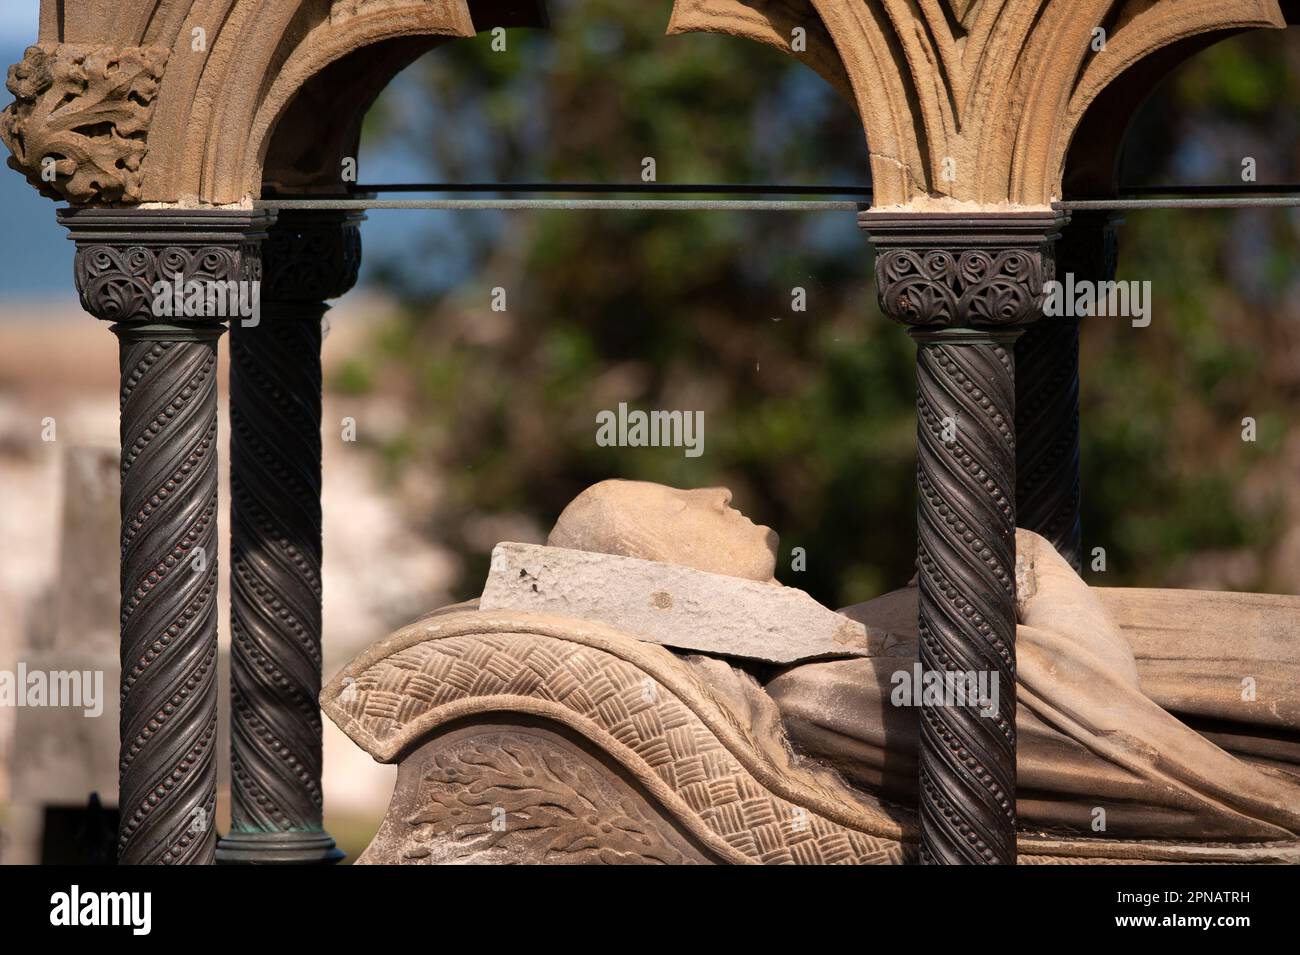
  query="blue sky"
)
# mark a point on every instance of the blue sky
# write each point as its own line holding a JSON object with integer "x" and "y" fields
{"x": 18, "y": 19}
{"x": 35, "y": 255}
{"x": 35, "y": 258}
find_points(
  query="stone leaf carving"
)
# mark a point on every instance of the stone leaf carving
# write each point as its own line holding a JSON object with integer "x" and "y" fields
{"x": 88, "y": 110}
{"x": 522, "y": 796}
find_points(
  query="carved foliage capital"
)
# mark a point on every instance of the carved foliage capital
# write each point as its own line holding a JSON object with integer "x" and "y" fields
{"x": 122, "y": 255}
{"x": 79, "y": 122}
{"x": 962, "y": 272}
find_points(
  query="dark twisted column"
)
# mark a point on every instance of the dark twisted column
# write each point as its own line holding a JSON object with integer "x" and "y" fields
{"x": 966, "y": 561}
{"x": 127, "y": 267}
{"x": 1047, "y": 395}
{"x": 275, "y": 415}
{"x": 965, "y": 286}
{"x": 167, "y": 770}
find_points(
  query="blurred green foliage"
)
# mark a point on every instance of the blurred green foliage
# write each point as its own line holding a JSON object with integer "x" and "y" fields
{"x": 809, "y": 415}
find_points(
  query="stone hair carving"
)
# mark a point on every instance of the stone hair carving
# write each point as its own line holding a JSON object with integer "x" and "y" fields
{"x": 696, "y": 528}
{"x": 86, "y": 111}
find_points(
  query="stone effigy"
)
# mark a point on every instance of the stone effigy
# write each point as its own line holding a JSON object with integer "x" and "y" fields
{"x": 539, "y": 734}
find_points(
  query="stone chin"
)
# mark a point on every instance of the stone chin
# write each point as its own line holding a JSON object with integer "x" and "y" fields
{"x": 761, "y": 550}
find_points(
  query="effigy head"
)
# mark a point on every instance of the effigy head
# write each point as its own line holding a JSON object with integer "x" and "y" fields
{"x": 694, "y": 528}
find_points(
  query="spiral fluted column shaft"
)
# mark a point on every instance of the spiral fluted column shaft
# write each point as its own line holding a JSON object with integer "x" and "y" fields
{"x": 167, "y": 771}
{"x": 169, "y": 280}
{"x": 276, "y": 594}
{"x": 966, "y": 286}
{"x": 966, "y": 514}
{"x": 275, "y": 486}
{"x": 1048, "y": 485}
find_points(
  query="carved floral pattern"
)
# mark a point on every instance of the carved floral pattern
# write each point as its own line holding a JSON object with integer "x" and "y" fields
{"x": 86, "y": 111}
{"x": 513, "y": 794}
{"x": 116, "y": 283}
{"x": 312, "y": 256}
{"x": 960, "y": 287}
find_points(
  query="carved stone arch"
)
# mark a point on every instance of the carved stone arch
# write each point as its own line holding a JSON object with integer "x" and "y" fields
{"x": 965, "y": 103}
{"x": 177, "y": 101}
{"x": 974, "y": 103}
{"x": 319, "y": 69}
{"x": 305, "y": 137}
{"x": 1093, "y": 160}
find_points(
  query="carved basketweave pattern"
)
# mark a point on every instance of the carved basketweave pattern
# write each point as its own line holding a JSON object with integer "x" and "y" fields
{"x": 621, "y": 699}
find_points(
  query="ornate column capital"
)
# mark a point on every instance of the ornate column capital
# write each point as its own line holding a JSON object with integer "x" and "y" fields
{"x": 311, "y": 255}
{"x": 984, "y": 271}
{"x": 122, "y": 255}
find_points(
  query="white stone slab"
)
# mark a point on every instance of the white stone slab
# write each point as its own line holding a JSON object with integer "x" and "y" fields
{"x": 672, "y": 605}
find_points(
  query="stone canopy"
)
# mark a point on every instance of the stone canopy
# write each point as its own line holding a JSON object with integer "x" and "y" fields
{"x": 965, "y": 104}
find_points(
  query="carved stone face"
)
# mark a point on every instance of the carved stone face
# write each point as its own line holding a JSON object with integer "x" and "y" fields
{"x": 696, "y": 528}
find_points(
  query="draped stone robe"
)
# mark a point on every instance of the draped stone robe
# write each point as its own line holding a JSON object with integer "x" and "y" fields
{"x": 1141, "y": 714}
